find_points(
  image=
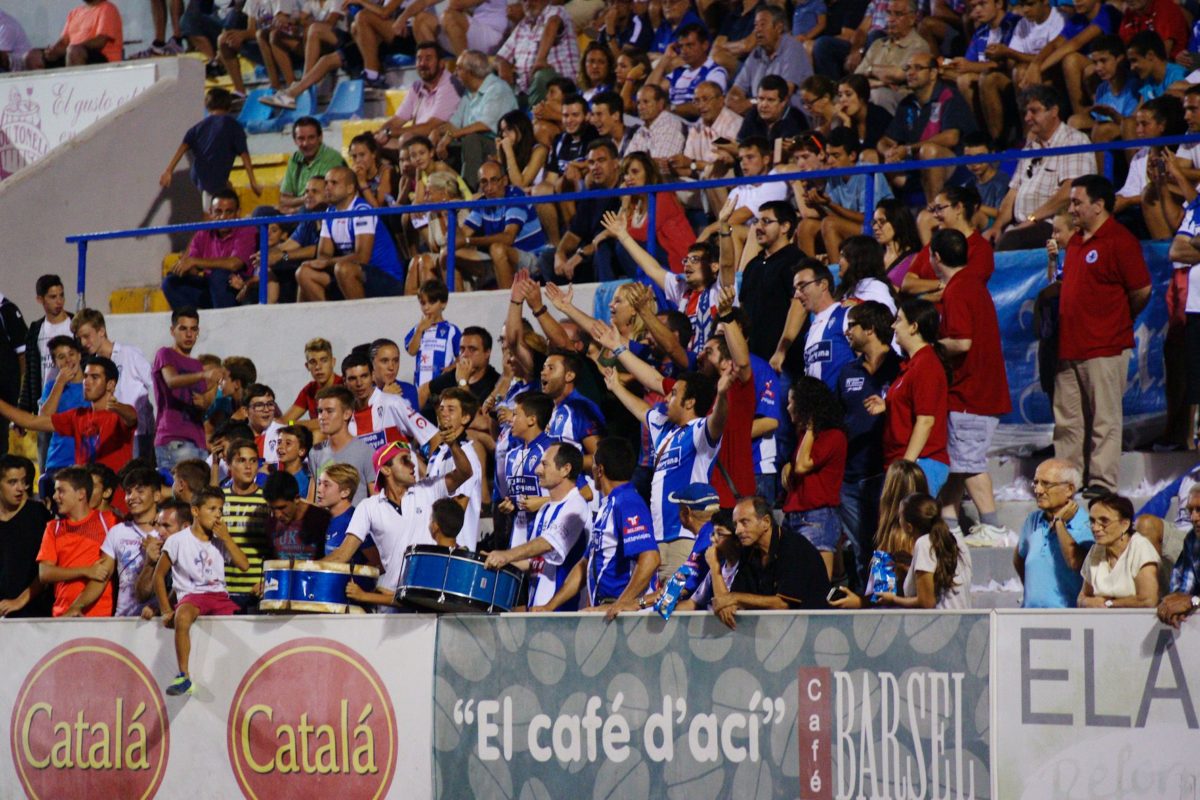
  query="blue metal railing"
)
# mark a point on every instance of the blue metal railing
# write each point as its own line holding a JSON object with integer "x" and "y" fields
{"x": 82, "y": 240}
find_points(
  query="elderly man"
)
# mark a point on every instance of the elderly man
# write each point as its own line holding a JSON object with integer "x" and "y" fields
{"x": 662, "y": 133}
{"x": 716, "y": 122}
{"x": 429, "y": 104}
{"x": 685, "y": 66}
{"x": 777, "y": 53}
{"x": 312, "y": 158}
{"x": 1055, "y": 539}
{"x": 1040, "y": 187}
{"x": 884, "y": 61}
{"x": 540, "y": 48}
{"x": 1184, "y": 598}
{"x": 472, "y": 127}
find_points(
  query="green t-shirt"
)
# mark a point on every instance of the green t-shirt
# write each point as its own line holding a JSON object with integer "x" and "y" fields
{"x": 298, "y": 172}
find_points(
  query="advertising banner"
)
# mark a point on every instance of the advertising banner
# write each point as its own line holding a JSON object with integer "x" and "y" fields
{"x": 1096, "y": 705}
{"x": 41, "y": 110}
{"x": 335, "y": 707}
{"x": 1015, "y": 285}
{"x": 817, "y": 706}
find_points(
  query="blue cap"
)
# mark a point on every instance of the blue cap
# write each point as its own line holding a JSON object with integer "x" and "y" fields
{"x": 697, "y": 497}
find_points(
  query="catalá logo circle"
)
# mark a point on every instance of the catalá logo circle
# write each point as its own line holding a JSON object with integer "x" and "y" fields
{"x": 89, "y": 721}
{"x": 311, "y": 718}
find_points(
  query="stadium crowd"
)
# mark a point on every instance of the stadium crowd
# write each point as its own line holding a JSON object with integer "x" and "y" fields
{"x": 780, "y": 411}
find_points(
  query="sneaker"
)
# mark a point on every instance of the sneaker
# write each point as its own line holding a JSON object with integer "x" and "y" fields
{"x": 279, "y": 100}
{"x": 1093, "y": 491}
{"x": 181, "y": 685}
{"x": 213, "y": 70}
{"x": 983, "y": 535}
{"x": 378, "y": 82}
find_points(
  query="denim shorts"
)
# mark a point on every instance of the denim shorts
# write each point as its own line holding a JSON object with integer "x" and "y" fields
{"x": 821, "y": 526}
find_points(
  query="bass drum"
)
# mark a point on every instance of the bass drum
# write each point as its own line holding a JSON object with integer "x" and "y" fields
{"x": 455, "y": 581}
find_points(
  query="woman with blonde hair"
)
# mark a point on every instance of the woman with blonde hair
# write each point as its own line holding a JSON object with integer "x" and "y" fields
{"x": 940, "y": 576}
{"x": 439, "y": 187}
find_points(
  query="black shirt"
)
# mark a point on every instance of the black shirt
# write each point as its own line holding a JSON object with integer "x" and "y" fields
{"x": 13, "y": 333}
{"x": 766, "y": 295}
{"x": 569, "y": 147}
{"x": 480, "y": 389}
{"x": 864, "y": 455}
{"x": 793, "y": 570}
{"x": 790, "y": 124}
{"x": 589, "y": 215}
{"x": 20, "y": 540}
{"x": 916, "y": 121}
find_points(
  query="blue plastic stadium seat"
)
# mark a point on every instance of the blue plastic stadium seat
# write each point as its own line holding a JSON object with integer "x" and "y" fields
{"x": 604, "y": 296}
{"x": 346, "y": 103}
{"x": 306, "y": 104}
{"x": 253, "y": 111}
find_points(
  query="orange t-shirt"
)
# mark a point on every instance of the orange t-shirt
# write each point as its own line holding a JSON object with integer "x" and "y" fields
{"x": 76, "y": 544}
{"x": 99, "y": 19}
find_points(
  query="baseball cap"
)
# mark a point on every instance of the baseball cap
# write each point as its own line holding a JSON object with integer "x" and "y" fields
{"x": 697, "y": 497}
{"x": 385, "y": 454}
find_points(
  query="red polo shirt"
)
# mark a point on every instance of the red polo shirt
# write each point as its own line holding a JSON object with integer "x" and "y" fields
{"x": 1098, "y": 275}
{"x": 981, "y": 260}
{"x": 1164, "y": 17}
{"x": 822, "y": 487}
{"x": 919, "y": 390}
{"x": 980, "y": 382}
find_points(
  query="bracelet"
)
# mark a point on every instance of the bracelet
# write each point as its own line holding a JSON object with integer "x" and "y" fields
{"x": 513, "y": 303}
{"x": 541, "y": 311}
{"x": 725, "y": 235}
{"x": 618, "y": 350}
{"x": 726, "y": 318}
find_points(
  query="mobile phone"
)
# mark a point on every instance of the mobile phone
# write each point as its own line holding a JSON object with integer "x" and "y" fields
{"x": 835, "y": 593}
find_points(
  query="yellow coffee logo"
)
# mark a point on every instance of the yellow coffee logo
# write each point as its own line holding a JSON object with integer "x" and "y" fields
{"x": 89, "y": 720}
{"x": 311, "y": 718}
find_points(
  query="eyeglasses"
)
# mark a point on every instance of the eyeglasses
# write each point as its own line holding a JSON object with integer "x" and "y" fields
{"x": 938, "y": 209}
{"x": 878, "y": 223}
{"x": 802, "y": 285}
{"x": 1033, "y": 164}
{"x": 691, "y": 260}
{"x": 764, "y": 221}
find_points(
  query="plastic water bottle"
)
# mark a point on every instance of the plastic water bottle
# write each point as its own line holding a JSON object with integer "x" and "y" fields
{"x": 670, "y": 596}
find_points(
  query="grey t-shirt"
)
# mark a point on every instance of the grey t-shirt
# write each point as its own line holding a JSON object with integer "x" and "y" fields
{"x": 356, "y": 453}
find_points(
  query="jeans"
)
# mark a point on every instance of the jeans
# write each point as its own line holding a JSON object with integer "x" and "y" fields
{"x": 767, "y": 487}
{"x": 859, "y": 513}
{"x": 171, "y": 453}
{"x": 209, "y": 291}
{"x": 819, "y": 525}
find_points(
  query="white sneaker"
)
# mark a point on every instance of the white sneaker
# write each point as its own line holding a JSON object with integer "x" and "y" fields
{"x": 279, "y": 100}
{"x": 983, "y": 535}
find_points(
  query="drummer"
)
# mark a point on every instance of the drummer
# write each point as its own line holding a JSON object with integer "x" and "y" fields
{"x": 398, "y": 516}
{"x": 445, "y": 524}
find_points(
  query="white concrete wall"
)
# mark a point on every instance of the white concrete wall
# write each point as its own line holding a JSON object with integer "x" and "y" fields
{"x": 274, "y": 336}
{"x": 106, "y": 178}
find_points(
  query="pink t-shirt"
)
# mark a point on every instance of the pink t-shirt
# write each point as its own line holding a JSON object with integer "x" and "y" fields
{"x": 177, "y": 418}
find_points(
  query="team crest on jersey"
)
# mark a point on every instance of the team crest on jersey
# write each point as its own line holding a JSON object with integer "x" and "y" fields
{"x": 1092, "y": 257}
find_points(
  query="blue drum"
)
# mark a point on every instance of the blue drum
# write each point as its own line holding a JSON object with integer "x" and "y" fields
{"x": 319, "y": 588}
{"x": 455, "y": 580}
{"x": 277, "y": 585}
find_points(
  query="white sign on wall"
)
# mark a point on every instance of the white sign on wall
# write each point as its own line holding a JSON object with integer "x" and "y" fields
{"x": 41, "y": 110}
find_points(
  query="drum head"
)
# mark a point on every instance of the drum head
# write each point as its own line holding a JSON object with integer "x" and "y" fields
{"x": 320, "y": 566}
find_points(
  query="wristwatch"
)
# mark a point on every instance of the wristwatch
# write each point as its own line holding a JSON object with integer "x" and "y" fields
{"x": 462, "y": 382}
{"x": 1108, "y": 603}
{"x": 1032, "y": 218}
{"x": 1196, "y": 601}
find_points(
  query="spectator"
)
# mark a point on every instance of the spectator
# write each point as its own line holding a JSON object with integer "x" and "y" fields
{"x": 471, "y": 129}
{"x": 633, "y": 68}
{"x": 356, "y": 255}
{"x": 1121, "y": 569}
{"x": 69, "y": 395}
{"x": 312, "y": 158}
{"x": 69, "y": 556}
{"x": 814, "y": 475}
{"x": 661, "y": 134}
{"x": 214, "y": 143}
{"x": 540, "y": 48}
{"x": 1184, "y": 596}
{"x": 1031, "y": 39}
{"x": 884, "y": 61}
{"x": 869, "y": 332}
{"x": 855, "y": 110}
{"x": 676, "y": 15}
{"x": 1115, "y": 96}
{"x": 672, "y": 233}
{"x": 772, "y": 116}
{"x": 1040, "y": 187}
{"x": 382, "y": 409}
{"x": 245, "y": 513}
{"x": 775, "y": 53}
{"x": 217, "y": 261}
{"x": 916, "y": 404}
{"x": 766, "y": 290}
{"x": 318, "y": 360}
{"x": 565, "y": 166}
{"x": 1104, "y": 268}
{"x": 970, "y": 335}
{"x": 559, "y": 532}
{"x": 714, "y": 122}
{"x": 844, "y": 200}
{"x": 940, "y": 576}
{"x": 1065, "y": 56}
{"x": 335, "y": 410}
{"x": 825, "y": 348}
{"x": 194, "y": 561}
{"x": 286, "y": 257}
{"x": 1147, "y": 202}
{"x": 808, "y": 20}
{"x": 292, "y": 446}
{"x": 953, "y": 209}
{"x": 742, "y": 204}
{"x": 928, "y": 124}
{"x": 521, "y": 155}
{"x": 734, "y": 37}
{"x": 261, "y": 18}
{"x": 895, "y": 229}
{"x": 295, "y": 527}
{"x": 22, "y": 523}
{"x": 430, "y": 102}
{"x": 994, "y": 25}
{"x": 622, "y": 27}
{"x": 777, "y": 569}
{"x": 373, "y": 174}
{"x": 16, "y": 53}
{"x": 123, "y": 553}
{"x": 474, "y": 24}
{"x": 506, "y": 238}
{"x": 336, "y": 488}
{"x": 685, "y": 65}
{"x": 432, "y": 341}
{"x": 1160, "y": 16}
{"x": 39, "y": 360}
{"x": 472, "y": 370}
{"x": 91, "y": 35}
{"x": 382, "y": 31}
{"x": 733, "y": 476}
{"x": 522, "y": 492}
{"x": 1147, "y": 55}
{"x": 577, "y": 247}
{"x": 853, "y": 28}
{"x": 456, "y": 410}
{"x": 1054, "y": 539}
{"x": 985, "y": 177}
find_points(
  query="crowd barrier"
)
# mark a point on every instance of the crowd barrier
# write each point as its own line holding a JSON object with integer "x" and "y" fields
{"x": 819, "y": 706}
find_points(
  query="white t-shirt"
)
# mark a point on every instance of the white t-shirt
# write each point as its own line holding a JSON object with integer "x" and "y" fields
{"x": 196, "y": 567}
{"x": 1135, "y": 181}
{"x": 923, "y": 560}
{"x": 753, "y": 195}
{"x": 395, "y": 529}
{"x": 567, "y": 527}
{"x": 441, "y": 464}
{"x": 1029, "y": 38}
{"x": 123, "y": 544}
{"x": 491, "y": 13}
{"x": 1118, "y": 580}
{"x": 134, "y": 386}
{"x": 874, "y": 289}
{"x": 47, "y": 332}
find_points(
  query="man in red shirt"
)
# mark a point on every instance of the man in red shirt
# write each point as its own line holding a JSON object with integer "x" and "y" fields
{"x": 103, "y": 431}
{"x": 70, "y": 553}
{"x": 318, "y": 360}
{"x": 733, "y": 473}
{"x": 1105, "y": 286}
{"x": 970, "y": 334}
{"x": 1164, "y": 17}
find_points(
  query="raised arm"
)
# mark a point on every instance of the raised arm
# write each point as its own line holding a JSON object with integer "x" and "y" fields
{"x": 720, "y": 410}
{"x": 635, "y": 405}
{"x": 617, "y": 226}
{"x": 561, "y": 300}
{"x": 643, "y": 373}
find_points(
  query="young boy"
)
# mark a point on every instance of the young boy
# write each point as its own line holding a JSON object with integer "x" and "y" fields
{"x": 318, "y": 360}
{"x": 214, "y": 142}
{"x": 197, "y": 567}
{"x": 70, "y": 553}
{"x": 445, "y": 523}
{"x": 124, "y": 547}
{"x": 991, "y": 183}
{"x": 335, "y": 493}
{"x": 245, "y": 515}
{"x": 291, "y": 448}
{"x": 434, "y": 341}
{"x": 60, "y": 452}
{"x": 40, "y": 366}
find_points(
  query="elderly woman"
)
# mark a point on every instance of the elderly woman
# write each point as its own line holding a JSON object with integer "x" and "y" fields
{"x": 1121, "y": 571}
